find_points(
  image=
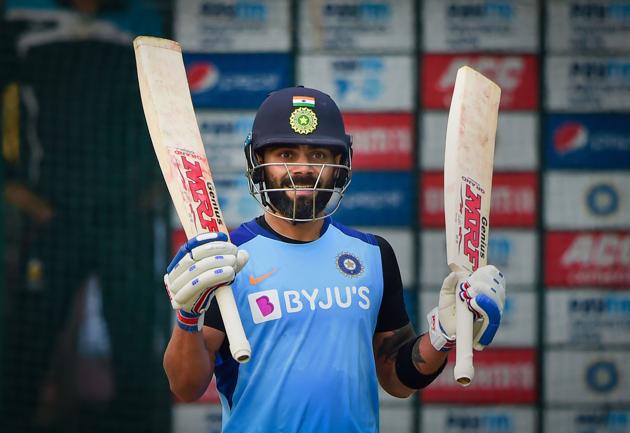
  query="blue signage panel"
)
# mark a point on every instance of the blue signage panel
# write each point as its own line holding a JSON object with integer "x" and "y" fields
{"x": 235, "y": 80}
{"x": 591, "y": 141}
{"x": 377, "y": 199}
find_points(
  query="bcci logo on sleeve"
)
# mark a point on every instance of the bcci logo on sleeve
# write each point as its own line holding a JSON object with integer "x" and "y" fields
{"x": 349, "y": 265}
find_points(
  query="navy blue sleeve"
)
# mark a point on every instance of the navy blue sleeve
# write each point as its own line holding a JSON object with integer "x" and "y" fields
{"x": 392, "y": 314}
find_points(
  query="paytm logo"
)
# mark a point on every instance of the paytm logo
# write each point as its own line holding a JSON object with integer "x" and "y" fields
{"x": 265, "y": 306}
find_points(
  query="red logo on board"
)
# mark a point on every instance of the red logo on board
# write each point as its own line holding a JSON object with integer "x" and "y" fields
{"x": 199, "y": 192}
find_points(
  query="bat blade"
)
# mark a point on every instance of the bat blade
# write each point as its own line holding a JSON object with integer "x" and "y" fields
{"x": 468, "y": 165}
{"x": 179, "y": 149}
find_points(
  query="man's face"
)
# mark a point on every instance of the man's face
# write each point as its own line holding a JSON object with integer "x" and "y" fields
{"x": 300, "y": 175}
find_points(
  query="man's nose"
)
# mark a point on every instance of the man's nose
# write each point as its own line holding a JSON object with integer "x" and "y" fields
{"x": 301, "y": 161}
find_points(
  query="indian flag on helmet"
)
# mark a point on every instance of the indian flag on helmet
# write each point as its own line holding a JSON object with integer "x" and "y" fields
{"x": 303, "y": 101}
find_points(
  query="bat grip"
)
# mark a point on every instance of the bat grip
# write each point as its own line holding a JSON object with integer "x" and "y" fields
{"x": 464, "y": 371}
{"x": 239, "y": 346}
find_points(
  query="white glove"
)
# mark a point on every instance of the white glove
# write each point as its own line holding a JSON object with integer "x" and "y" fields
{"x": 484, "y": 292}
{"x": 202, "y": 265}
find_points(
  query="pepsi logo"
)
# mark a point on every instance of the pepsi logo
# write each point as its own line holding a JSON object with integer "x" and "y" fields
{"x": 569, "y": 136}
{"x": 202, "y": 76}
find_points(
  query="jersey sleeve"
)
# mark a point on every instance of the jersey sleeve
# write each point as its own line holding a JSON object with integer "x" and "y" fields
{"x": 392, "y": 314}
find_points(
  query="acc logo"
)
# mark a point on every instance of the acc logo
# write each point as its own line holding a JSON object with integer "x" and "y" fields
{"x": 349, "y": 265}
{"x": 303, "y": 120}
{"x": 602, "y": 376}
{"x": 570, "y": 136}
{"x": 603, "y": 199}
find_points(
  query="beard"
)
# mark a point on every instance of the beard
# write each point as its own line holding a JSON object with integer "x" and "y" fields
{"x": 305, "y": 207}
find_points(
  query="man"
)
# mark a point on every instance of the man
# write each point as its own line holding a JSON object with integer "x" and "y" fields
{"x": 321, "y": 303}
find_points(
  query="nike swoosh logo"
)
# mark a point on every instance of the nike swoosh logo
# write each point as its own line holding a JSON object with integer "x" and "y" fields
{"x": 256, "y": 280}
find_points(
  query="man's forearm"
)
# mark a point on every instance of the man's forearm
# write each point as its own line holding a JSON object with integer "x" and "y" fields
{"x": 425, "y": 357}
{"x": 188, "y": 364}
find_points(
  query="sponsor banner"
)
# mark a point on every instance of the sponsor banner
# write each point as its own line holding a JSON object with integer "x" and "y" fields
{"x": 516, "y": 75}
{"x": 516, "y": 147}
{"x": 232, "y": 26}
{"x": 223, "y": 135}
{"x": 595, "y": 141}
{"x": 235, "y": 80}
{"x": 514, "y": 252}
{"x": 513, "y": 201}
{"x": 401, "y": 241}
{"x": 587, "y": 200}
{"x": 587, "y": 83}
{"x": 587, "y": 376}
{"x": 587, "y": 259}
{"x": 196, "y": 417}
{"x": 587, "y": 25}
{"x": 590, "y": 317}
{"x": 396, "y": 417}
{"x": 357, "y": 25}
{"x": 377, "y": 199}
{"x": 501, "y": 376}
{"x": 587, "y": 420}
{"x": 478, "y": 419}
{"x": 361, "y": 83}
{"x": 237, "y": 204}
{"x": 517, "y": 327}
{"x": 452, "y": 25}
{"x": 381, "y": 141}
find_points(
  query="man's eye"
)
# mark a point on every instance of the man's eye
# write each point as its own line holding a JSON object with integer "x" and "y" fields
{"x": 319, "y": 155}
{"x": 285, "y": 155}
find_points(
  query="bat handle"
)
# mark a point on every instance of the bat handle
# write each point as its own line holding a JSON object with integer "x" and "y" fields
{"x": 464, "y": 371}
{"x": 239, "y": 346}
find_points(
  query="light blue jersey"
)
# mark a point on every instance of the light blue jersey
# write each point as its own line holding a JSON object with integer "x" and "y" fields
{"x": 310, "y": 311}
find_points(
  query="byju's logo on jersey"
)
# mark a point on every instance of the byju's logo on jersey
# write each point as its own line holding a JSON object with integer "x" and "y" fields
{"x": 349, "y": 265}
{"x": 265, "y": 306}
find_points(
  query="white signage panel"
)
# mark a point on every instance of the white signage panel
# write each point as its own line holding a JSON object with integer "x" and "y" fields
{"x": 587, "y": 376}
{"x": 587, "y": 420}
{"x": 230, "y": 26}
{"x": 223, "y": 134}
{"x": 516, "y": 147}
{"x": 594, "y": 84}
{"x": 356, "y": 25}
{"x": 478, "y": 419}
{"x": 587, "y": 317}
{"x": 587, "y": 25}
{"x": 361, "y": 83}
{"x": 473, "y": 25}
{"x": 514, "y": 252}
{"x": 587, "y": 200}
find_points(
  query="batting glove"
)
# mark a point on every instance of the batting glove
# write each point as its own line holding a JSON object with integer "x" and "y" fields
{"x": 483, "y": 292}
{"x": 202, "y": 265}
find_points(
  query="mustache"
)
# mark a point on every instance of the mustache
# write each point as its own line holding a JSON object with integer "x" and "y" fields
{"x": 308, "y": 181}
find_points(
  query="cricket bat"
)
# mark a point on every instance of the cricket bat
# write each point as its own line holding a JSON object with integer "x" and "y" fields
{"x": 468, "y": 162}
{"x": 174, "y": 131}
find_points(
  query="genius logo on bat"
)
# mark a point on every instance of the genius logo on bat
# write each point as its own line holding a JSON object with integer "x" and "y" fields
{"x": 203, "y": 195}
{"x": 475, "y": 227}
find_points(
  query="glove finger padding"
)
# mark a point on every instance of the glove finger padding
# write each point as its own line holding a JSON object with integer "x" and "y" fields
{"x": 197, "y": 268}
{"x": 198, "y": 249}
{"x": 211, "y": 278}
{"x": 484, "y": 291}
